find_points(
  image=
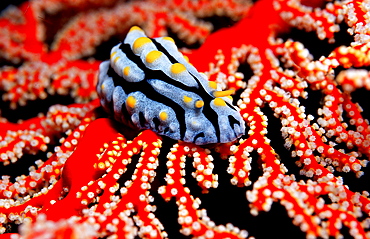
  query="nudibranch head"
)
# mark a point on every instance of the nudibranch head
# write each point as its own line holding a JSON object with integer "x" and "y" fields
{"x": 149, "y": 84}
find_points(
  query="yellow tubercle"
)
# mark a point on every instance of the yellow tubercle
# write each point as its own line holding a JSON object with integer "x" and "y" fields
{"x": 169, "y": 39}
{"x": 135, "y": 28}
{"x": 177, "y": 68}
{"x": 126, "y": 70}
{"x": 229, "y": 96}
{"x": 187, "y": 99}
{"x": 212, "y": 84}
{"x": 199, "y": 104}
{"x": 152, "y": 56}
{"x": 219, "y": 102}
{"x": 116, "y": 59}
{"x": 187, "y": 59}
{"x": 138, "y": 43}
{"x": 163, "y": 116}
{"x": 131, "y": 101}
{"x": 223, "y": 93}
{"x": 113, "y": 54}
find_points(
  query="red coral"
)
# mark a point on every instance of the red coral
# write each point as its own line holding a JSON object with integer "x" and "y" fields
{"x": 104, "y": 180}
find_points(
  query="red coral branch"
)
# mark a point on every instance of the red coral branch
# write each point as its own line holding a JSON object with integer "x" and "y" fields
{"x": 100, "y": 179}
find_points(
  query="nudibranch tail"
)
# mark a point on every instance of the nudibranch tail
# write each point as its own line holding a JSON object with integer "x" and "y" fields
{"x": 149, "y": 84}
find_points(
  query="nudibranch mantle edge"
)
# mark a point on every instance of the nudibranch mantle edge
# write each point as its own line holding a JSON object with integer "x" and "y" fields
{"x": 149, "y": 84}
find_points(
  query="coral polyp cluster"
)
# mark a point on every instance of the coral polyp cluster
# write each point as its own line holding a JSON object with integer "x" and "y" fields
{"x": 300, "y": 73}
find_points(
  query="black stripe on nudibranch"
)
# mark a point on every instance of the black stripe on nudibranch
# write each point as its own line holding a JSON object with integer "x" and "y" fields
{"x": 145, "y": 88}
{"x": 164, "y": 50}
{"x": 148, "y": 84}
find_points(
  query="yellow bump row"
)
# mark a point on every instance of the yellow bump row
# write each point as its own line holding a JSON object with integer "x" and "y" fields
{"x": 199, "y": 104}
{"x": 131, "y": 101}
{"x": 187, "y": 99}
{"x": 152, "y": 56}
{"x": 163, "y": 116}
{"x": 219, "y": 102}
{"x": 223, "y": 93}
{"x": 177, "y": 68}
{"x": 126, "y": 71}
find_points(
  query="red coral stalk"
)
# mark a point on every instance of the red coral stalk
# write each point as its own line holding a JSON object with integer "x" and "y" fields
{"x": 100, "y": 179}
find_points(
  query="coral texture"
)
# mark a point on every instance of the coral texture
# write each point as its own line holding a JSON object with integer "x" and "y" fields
{"x": 300, "y": 74}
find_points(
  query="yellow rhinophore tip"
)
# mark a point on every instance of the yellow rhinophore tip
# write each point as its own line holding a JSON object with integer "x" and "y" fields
{"x": 163, "y": 116}
{"x": 138, "y": 43}
{"x": 152, "y": 56}
{"x": 187, "y": 99}
{"x": 219, "y": 102}
{"x": 212, "y": 84}
{"x": 126, "y": 71}
{"x": 169, "y": 39}
{"x": 199, "y": 104}
{"x": 223, "y": 93}
{"x": 177, "y": 68}
{"x": 131, "y": 101}
{"x": 135, "y": 28}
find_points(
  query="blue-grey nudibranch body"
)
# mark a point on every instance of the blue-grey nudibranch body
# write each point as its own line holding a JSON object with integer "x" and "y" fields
{"x": 148, "y": 84}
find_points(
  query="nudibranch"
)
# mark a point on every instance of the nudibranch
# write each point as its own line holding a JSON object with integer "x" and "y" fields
{"x": 149, "y": 84}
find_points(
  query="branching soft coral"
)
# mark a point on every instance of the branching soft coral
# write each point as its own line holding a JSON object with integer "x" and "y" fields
{"x": 101, "y": 179}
